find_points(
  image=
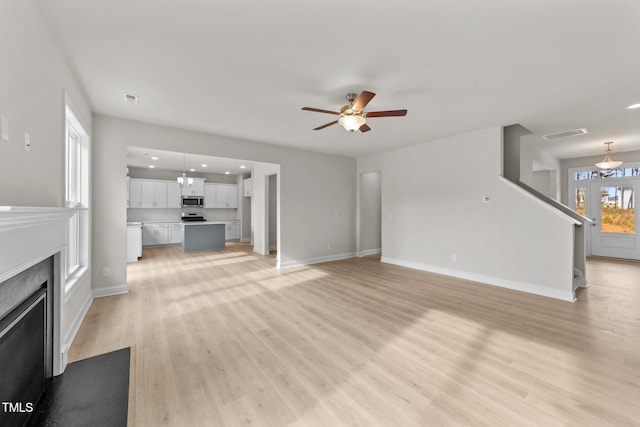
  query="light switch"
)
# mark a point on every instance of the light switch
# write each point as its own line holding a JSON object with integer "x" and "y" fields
{"x": 4, "y": 128}
{"x": 27, "y": 142}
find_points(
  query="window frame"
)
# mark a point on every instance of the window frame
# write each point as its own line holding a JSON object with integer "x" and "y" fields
{"x": 77, "y": 198}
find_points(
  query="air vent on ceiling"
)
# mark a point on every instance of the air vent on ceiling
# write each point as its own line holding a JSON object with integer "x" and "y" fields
{"x": 565, "y": 134}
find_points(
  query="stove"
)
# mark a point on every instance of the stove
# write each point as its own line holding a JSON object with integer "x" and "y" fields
{"x": 192, "y": 217}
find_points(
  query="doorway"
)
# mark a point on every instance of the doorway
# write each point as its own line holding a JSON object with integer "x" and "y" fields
{"x": 272, "y": 213}
{"x": 614, "y": 231}
{"x": 609, "y": 199}
{"x": 370, "y": 216}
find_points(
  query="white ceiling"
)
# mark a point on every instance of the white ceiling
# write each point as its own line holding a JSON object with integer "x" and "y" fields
{"x": 245, "y": 68}
{"x": 184, "y": 162}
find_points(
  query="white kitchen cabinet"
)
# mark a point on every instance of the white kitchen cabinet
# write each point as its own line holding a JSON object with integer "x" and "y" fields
{"x": 147, "y": 193}
{"x": 164, "y": 233}
{"x": 134, "y": 242}
{"x": 175, "y": 233}
{"x": 195, "y": 189}
{"x": 227, "y": 196}
{"x": 247, "y": 187}
{"x": 174, "y": 195}
{"x": 135, "y": 193}
{"x": 210, "y": 195}
{"x": 232, "y": 230}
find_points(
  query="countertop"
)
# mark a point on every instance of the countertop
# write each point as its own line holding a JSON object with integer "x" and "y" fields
{"x": 134, "y": 224}
{"x": 205, "y": 222}
{"x": 138, "y": 223}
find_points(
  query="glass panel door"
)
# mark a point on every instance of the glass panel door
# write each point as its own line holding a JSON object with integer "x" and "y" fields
{"x": 613, "y": 231}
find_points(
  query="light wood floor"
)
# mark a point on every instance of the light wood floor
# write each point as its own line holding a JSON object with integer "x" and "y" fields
{"x": 225, "y": 339}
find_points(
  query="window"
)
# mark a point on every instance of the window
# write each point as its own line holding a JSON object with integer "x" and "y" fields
{"x": 76, "y": 198}
{"x": 607, "y": 173}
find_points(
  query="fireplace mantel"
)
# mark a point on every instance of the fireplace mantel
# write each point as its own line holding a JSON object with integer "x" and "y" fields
{"x": 12, "y": 217}
{"x": 29, "y": 235}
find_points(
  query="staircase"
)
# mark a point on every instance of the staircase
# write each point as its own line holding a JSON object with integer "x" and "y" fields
{"x": 511, "y": 172}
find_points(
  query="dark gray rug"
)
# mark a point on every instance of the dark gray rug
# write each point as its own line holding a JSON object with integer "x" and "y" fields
{"x": 91, "y": 392}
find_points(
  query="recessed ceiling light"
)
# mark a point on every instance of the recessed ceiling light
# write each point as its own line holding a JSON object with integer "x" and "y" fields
{"x": 131, "y": 99}
{"x": 204, "y": 165}
{"x": 154, "y": 158}
{"x": 227, "y": 173}
{"x": 242, "y": 166}
{"x": 192, "y": 170}
{"x": 151, "y": 166}
{"x": 633, "y": 106}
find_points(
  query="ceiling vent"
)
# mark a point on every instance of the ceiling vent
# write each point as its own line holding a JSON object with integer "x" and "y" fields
{"x": 565, "y": 134}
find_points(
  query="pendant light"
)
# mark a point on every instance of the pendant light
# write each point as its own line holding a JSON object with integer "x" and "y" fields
{"x": 608, "y": 163}
{"x": 181, "y": 179}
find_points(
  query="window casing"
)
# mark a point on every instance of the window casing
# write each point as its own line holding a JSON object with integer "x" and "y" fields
{"x": 77, "y": 199}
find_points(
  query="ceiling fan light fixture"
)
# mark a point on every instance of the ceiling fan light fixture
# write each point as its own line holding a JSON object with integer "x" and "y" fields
{"x": 608, "y": 162}
{"x": 351, "y": 123}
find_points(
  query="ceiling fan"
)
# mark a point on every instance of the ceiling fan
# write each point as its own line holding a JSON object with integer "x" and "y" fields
{"x": 352, "y": 116}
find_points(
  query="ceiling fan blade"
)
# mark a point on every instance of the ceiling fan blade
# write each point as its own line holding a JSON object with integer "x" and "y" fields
{"x": 365, "y": 128}
{"x": 318, "y": 110}
{"x": 362, "y": 100}
{"x": 327, "y": 125}
{"x": 390, "y": 113}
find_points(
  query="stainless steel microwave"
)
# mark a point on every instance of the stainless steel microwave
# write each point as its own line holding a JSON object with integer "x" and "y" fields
{"x": 192, "y": 201}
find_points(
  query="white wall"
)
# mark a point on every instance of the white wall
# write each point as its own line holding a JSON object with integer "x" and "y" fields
{"x": 33, "y": 80}
{"x": 539, "y": 169}
{"x": 434, "y": 210}
{"x": 317, "y": 192}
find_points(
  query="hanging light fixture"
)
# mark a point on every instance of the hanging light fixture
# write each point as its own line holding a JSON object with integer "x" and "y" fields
{"x": 181, "y": 179}
{"x": 608, "y": 163}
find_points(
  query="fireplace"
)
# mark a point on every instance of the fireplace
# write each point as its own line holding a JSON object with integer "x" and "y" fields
{"x": 32, "y": 349}
{"x": 25, "y": 341}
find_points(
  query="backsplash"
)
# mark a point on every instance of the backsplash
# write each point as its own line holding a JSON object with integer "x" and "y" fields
{"x": 155, "y": 214}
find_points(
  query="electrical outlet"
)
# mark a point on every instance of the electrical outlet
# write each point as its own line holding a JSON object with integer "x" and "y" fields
{"x": 454, "y": 257}
{"x": 106, "y": 271}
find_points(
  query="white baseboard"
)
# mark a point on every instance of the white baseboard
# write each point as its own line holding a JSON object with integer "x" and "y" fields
{"x": 567, "y": 295}
{"x": 295, "y": 263}
{"x": 75, "y": 325}
{"x": 260, "y": 251}
{"x": 245, "y": 240}
{"x": 369, "y": 252}
{"x": 111, "y": 290}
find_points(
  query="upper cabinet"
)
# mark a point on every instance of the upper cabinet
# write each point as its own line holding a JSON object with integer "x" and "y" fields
{"x": 147, "y": 193}
{"x": 247, "y": 185}
{"x": 227, "y": 196}
{"x": 210, "y": 195}
{"x": 153, "y": 193}
{"x": 195, "y": 189}
{"x": 174, "y": 195}
{"x": 221, "y": 195}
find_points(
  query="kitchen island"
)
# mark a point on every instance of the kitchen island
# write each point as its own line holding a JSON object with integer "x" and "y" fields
{"x": 203, "y": 236}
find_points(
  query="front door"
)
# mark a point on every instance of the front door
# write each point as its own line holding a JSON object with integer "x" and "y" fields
{"x": 614, "y": 231}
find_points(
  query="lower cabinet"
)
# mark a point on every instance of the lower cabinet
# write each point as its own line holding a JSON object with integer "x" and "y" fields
{"x": 156, "y": 234}
{"x": 232, "y": 230}
{"x": 175, "y": 234}
{"x": 134, "y": 243}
